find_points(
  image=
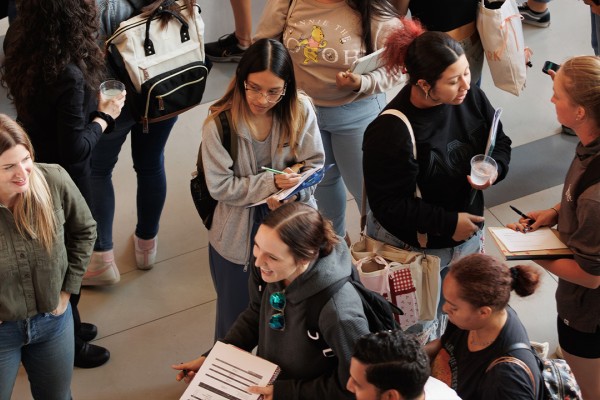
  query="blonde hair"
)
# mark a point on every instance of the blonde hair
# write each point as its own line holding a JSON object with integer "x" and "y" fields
{"x": 583, "y": 83}
{"x": 34, "y": 209}
{"x": 265, "y": 55}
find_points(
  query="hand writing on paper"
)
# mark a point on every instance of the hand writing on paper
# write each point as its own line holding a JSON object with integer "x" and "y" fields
{"x": 287, "y": 180}
{"x": 542, "y": 218}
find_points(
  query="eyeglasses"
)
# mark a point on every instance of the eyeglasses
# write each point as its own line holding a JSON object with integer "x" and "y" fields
{"x": 257, "y": 94}
{"x": 277, "y": 301}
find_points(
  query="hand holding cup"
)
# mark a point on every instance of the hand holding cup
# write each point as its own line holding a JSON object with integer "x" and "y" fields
{"x": 484, "y": 172}
{"x": 112, "y": 97}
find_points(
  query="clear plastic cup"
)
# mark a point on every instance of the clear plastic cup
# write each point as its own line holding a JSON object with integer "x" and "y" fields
{"x": 482, "y": 169}
{"x": 111, "y": 88}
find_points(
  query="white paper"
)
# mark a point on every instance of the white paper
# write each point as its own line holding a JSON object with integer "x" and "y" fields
{"x": 493, "y": 132}
{"x": 542, "y": 239}
{"x": 226, "y": 374}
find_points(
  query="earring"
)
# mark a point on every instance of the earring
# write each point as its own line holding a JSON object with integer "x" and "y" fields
{"x": 426, "y": 95}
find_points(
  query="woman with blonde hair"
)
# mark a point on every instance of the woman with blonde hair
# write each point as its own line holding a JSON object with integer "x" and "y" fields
{"x": 577, "y": 101}
{"x": 275, "y": 126}
{"x": 46, "y": 238}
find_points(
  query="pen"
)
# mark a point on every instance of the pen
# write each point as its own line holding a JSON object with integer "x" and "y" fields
{"x": 275, "y": 171}
{"x": 515, "y": 209}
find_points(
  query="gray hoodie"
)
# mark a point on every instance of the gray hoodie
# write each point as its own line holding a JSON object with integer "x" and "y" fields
{"x": 305, "y": 372}
{"x": 232, "y": 222}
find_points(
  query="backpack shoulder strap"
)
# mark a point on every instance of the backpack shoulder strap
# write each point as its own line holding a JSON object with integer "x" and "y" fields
{"x": 314, "y": 306}
{"x": 510, "y": 359}
{"x": 590, "y": 177}
{"x": 229, "y": 141}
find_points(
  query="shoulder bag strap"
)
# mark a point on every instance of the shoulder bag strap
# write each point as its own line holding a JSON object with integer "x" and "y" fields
{"x": 513, "y": 360}
{"x": 422, "y": 237}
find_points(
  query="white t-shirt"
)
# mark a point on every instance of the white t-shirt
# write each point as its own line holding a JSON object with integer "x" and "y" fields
{"x": 438, "y": 390}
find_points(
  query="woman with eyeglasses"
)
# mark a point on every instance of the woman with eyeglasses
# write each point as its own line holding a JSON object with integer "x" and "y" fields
{"x": 275, "y": 127}
{"x": 298, "y": 255}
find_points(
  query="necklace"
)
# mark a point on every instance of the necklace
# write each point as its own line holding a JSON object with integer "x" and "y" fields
{"x": 472, "y": 341}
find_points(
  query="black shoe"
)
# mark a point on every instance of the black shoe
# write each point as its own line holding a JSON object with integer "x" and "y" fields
{"x": 91, "y": 356}
{"x": 225, "y": 49}
{"x": 87, "y": 332}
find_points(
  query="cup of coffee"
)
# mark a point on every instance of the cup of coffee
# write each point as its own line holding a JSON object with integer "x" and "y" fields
{"x": 482, "y": 169}
{"x": 111, "y": 88}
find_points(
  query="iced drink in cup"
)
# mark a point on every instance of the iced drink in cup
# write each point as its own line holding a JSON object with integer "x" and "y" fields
{"x": 111, "y": 88}
{"x": 482, "y": 169}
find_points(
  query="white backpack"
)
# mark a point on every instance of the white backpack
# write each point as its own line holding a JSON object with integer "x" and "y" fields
{"x": 162, "y": 67}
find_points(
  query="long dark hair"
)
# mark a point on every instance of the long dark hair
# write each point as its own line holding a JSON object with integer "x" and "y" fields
{"x": 369, "y": 9}
{"x": 265, "y": 55}
{"x": 45, "y": 37}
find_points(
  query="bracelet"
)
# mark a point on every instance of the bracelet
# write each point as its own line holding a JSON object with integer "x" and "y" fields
{"x": 555, "y": 210}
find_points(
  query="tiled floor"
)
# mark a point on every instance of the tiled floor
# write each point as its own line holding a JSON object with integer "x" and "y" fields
{"x": 153, "y": 319}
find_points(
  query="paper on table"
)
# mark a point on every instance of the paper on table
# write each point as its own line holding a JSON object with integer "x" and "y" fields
{"x": 226, "y": 374}
{"x": 542, "y": 239}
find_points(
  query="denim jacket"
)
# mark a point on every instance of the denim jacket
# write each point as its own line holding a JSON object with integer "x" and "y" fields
{"x": 31, "y": 279}
{"x": 113, "y": 12}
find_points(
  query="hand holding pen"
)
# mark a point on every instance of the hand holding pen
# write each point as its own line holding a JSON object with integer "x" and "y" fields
{"x": 534, "y": 219}
{"x": 284, "y": 179}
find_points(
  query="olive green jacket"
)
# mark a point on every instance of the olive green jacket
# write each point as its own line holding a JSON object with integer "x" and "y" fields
{"x": 31, "y": 278}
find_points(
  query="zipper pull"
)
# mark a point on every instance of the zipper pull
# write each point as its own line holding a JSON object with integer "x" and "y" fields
{"x": 161, "y": 103}
{"x": 246, "y": 266}
{"x": 145, "y": 125}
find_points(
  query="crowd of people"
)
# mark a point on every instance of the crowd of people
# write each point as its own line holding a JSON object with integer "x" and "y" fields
{"x": 293, "y": 104}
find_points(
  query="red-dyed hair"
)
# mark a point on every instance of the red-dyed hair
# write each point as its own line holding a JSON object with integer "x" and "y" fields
{"x": 397, "y": 43}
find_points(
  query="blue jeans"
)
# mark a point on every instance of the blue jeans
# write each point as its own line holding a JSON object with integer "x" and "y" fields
{"x": 342, "y": 129}
{"x": 432, "y": 329}
{"x": 595, "y": 33}
{"x": 44, "y": 344}
{"x": 147, "y": 151}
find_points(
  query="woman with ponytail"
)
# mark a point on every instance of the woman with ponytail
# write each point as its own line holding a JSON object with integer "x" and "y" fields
{"x": 451, "y": 122}
{"x": 297, "y": 255}
{"x": 46, "y": 238}
{"x": 482, "y": 327}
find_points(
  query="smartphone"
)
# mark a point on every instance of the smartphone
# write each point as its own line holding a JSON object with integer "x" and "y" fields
{"x": 549, "y": 65}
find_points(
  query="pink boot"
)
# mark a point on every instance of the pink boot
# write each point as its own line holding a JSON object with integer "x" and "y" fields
{"x": 101, "y": 270}
{"x": 145, "y": 252}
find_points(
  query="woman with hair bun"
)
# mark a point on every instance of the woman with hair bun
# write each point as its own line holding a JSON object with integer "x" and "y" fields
{"x": 297, "y": 255}
{"x": 451, "y": 122}
{"x": 481, "y": 328}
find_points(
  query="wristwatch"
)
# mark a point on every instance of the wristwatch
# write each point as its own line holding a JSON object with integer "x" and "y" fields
{"x": 110, "y": 121}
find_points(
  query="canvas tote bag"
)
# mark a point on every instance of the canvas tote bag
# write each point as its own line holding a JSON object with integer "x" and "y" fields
{"x": 501, "y": 31}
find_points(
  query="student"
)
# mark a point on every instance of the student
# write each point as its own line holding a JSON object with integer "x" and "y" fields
{"x": 54, "y": 81}
{"x": 577, "y": 101}
{"x": 148, "y": 155}
{"x": 46, "y": 237}
{"x": 297, "y": 255}
{"x": 393, "y": 366}
{"x": 481, "y": 327}
{"x": 275, "y": 126}
{"x": 451, "y": 122}
{"x": 324, "y": 38}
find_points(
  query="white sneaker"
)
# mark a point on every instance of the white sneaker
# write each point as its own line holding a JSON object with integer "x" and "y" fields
{"x": 145, "y": 252}
{"x": 101, "y": 270}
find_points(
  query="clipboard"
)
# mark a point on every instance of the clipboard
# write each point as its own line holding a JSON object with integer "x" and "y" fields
{"x": 547, "y": 254}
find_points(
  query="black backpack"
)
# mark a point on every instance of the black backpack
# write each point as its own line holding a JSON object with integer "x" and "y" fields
{"x": 204, "y": 202}
{"x": 379, "y": 312}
